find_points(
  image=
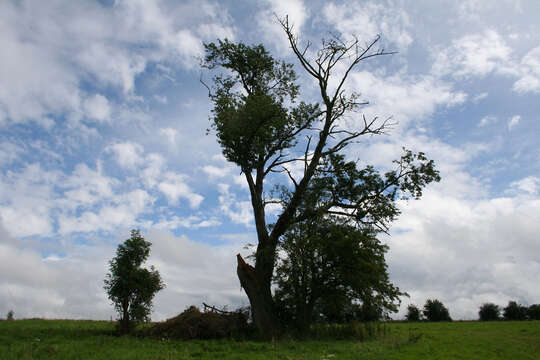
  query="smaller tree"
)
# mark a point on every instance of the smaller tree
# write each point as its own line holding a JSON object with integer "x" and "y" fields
{"x": 10, "y": 315}
{"x": 413, "y": 313}
{"x": 489, "y": 312}
{"x": 434, "y": 310}
{"x": 130, "y": 287}
{"x": 334, "y": 272}
{"x": 515, "y": 311}
{"x": 533, "y": 313}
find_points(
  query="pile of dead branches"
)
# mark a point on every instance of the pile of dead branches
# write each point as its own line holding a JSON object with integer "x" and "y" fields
{"x": 211, "y": 323}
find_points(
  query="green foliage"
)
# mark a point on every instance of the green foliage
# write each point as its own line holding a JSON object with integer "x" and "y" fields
{"x": 489, "y": 312}
{"x": 10, "y": 315}
{"x": 434, "y": 310}
{"x": 533, "y": 312}
{"x": 514, "y": 311}
{"x": 335, "y": 271}
{"x": 413, "y": 313}
{"x": 252, "y": 123}
{"x": 332, "y": 263}
{"x": 364, "y": 196}
{"x": 130, "y": 287}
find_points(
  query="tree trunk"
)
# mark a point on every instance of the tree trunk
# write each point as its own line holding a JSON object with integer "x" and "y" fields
{"x": 260, "y": 299}
{"x": 124, "y": 322}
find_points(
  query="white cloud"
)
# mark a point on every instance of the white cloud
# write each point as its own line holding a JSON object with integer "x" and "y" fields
{"x": 119, "y": 213}
{"x": 71, "y": 286}
{"x": 97, "y": 107}
{"x": 34, "y": 80}
{"x": 486, "y": 120}
{"x": 488, "y": 53}
{"x": 161, "y": 99}
{"x": 9, "y": 152}
{"x": 466, "y": 252}
{"x": 240, "y": 212}
{"x": 369, "y": 19}
{"x": 529, "y": 185}
{"x": 224, "y": 171}
{"x": 51, "y": 49}
{"x": 170, "y": 134}
{"x": 174, "y": 187}
{"x": 153, "y": 168}
{"x": 513, "y": 122}
{"x": 191, "y": 222}
{"x": 272, "y": 31}
{"x": 127, "y": 154}
{"x": 529, "y": 78}
{"x": 216, "y": 172}
{"x": 406, "y": 98}
{"x": 86, "y": 187}
{"x": 26, "y": 200}
{"x": 477, "y": 98}
{"x": 473, "y": 55}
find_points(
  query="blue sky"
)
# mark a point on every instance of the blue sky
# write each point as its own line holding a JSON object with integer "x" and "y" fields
{"x": 103, "y": 128}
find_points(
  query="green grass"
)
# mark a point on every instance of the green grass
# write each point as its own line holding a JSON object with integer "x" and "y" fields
{"x": 69, "y": 339}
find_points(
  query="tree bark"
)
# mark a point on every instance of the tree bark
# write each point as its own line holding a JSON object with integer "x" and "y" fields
{"x": 262, "y": 304}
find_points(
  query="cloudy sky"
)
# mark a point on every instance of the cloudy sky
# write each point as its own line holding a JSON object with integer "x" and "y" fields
{"x": 103, "y": 128}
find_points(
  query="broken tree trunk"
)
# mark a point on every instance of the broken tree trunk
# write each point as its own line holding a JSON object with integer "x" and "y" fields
{"x": 262, "y": 306}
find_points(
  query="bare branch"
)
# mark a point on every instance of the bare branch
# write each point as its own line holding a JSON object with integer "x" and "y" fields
{"x": 290, "y": 177}
{"x": 206, "y": 86}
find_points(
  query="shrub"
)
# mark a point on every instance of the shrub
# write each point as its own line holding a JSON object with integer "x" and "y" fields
{"x": 515, "y": 311}
{"x": 434, "y": 310}
{"x": 413, "y": 313}
{"x": 489, "y": 311}
{"x": 534, "y": 312}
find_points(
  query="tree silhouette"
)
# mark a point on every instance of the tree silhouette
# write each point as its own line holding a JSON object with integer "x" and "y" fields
{"x": 264, "y": 130}
{"x": 129, "y": 286}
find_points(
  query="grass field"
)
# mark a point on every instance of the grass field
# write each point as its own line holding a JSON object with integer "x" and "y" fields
{"x": 69, "y": 339}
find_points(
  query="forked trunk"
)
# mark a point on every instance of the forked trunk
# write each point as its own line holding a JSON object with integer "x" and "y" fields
{"x": 260, "y": 299}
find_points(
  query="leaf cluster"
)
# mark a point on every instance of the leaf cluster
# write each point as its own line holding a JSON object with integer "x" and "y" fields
{"x": 364, "y": 197}
{"x": 250, "y": 114}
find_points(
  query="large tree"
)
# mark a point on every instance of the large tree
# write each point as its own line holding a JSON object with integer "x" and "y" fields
{"x": 273, "y": 138}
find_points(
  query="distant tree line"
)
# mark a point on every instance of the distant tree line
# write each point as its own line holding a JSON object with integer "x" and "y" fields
{"x": 434, "y": 310}
{"x": 513, "y": 311}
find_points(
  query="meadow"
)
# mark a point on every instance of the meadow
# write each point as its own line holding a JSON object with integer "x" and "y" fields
{"x": 72, "y": 339}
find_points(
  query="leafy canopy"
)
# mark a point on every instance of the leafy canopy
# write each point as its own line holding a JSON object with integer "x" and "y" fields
{"x": 434, "y": 310}
{"x": 329, "y": 266}
{"x": 489, "y": 312}
{"x": 413, "y": 313}
{"x": 129, "y": 286}
{"x": 249, "y": 116}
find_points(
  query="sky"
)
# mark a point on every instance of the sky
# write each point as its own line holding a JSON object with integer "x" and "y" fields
{"x": 103, "y": 128}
